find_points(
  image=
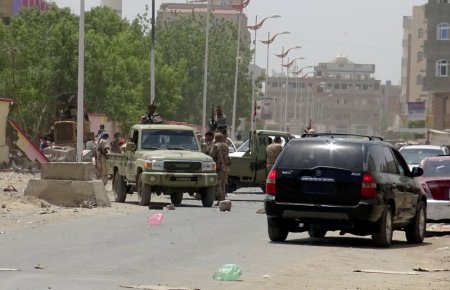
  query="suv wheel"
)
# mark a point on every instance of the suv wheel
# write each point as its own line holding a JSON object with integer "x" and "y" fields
{"x": 119, "y": 187}
{"x": 208, "y": 196}
{"x": 415, "y": 232}
{"x": 316, "y": 232}
{"x": 383, "y": 236}
{"x": 144, "y": 192}
{"x": 276, "y": 229}
{"x": 176, "y": 197}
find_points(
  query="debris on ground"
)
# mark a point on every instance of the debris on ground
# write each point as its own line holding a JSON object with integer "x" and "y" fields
{"x": 156, "y": 287}
{"x": 225, "y": 205}
{"x": 431, "y": 270}
{"x": 10, "y": 188}
{"x": 8, "y": 269}
{"x": 170, "y": 206}
{"x": 261, "y": 211}
{"x": 155, "y": 220}
{"x": 386, "y": 272}
{"x": 39, "y": 266}
{"x": 228, "y": 272}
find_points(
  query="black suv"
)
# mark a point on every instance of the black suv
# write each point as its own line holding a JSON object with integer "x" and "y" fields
{"x": 354, "y": 184}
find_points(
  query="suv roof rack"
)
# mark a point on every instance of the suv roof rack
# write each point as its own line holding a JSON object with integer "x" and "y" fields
{"x": 341, "y": 135}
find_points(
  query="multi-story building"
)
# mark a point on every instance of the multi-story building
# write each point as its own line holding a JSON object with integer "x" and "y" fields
{"x": 390, "y": 105}
{"x": 9, "y": 8}
{"x": 437, "y": 53}
{"x": 341, "y": 97}
{"x": 221, "y": 9}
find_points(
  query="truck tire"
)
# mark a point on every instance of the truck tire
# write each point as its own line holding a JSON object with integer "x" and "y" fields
{"x": 383, "y": 236}
{"x": 276, "y": 230}
{"x": 415, "y": 232}
{"x": 316, "y": 232}
{"x": 119, "y": 187}
{"x": 144, "y": 192}
{"x": 208, "y": 196}
{"x": 176, "y": 198}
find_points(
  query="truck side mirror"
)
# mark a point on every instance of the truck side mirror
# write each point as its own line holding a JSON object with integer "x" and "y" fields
{"x": 130, "y": 147}
{"x": 417, "y": 171}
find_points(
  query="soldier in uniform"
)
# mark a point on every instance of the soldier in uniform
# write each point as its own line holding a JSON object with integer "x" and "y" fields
{"x": 151, "y": 117}
{"x": 102, "y": 151}
{"x": 209, "y": 138}
{"x": 272, "y": 152}
{"x": 219, "y": 153}
{"x": 221, "y": 122}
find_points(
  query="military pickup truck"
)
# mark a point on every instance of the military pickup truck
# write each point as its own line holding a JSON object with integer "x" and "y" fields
{"x": 162, "y": 159}
{"x": 248, "y": 168}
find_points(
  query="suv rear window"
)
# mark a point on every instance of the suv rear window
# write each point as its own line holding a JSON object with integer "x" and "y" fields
{"x": 309, "y": 154}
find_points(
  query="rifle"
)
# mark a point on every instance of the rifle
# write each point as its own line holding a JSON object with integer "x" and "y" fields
{"x": 212, "y": 122}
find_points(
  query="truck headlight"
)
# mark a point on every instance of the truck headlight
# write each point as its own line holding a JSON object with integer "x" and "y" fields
{"x": 154, "y": 165}
{"x": 209, "y": 166}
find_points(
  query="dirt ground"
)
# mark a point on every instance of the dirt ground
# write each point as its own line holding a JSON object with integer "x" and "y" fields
{"x": 18, "y": 212}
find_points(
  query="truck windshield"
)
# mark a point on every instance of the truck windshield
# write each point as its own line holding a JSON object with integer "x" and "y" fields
{"x": 169, "y": 139}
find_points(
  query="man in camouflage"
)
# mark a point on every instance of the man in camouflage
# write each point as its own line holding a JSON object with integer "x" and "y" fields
{"x": 102, "y": 156}
{"x": 219, "y": 153}
{"x": 272, "y": 152}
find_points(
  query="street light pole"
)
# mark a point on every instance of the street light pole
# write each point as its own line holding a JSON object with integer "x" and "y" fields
{"x": 152, "y": 57}
{"x": 236, "y": 74}
{"x": 80, "y": 100}
{"x": 255, "y": 28}
{"x": 288, "y": 65}
{"x": 268, "y": 42}
{"x": 205, "y": 72}
{"x": 282, "y": 56}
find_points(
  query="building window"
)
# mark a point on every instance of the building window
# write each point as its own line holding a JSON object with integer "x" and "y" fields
{"x": 419, "y": 79}
{"x": 365, "y": 87}
{"x": 419, "y": 56}
{"x": 420, "y": 33}
{"x": 336, "y": 86}
{"x": 443, "y": 31}
{"x": 442, "y": 68}
{"x": 274, "y": 84}
{"x": 344, "y": 86}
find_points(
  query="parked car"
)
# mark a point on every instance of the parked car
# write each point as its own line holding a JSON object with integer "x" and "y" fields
{"x": 435, "y": 182}
{"x": 354, "y": 184}
{"x": 413, "y": 154}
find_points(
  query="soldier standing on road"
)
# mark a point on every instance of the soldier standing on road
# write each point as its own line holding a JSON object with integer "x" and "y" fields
{"x": 219, "y": 153}
{"x": 102, "y": 151}
{"x": 272, "y": 152}
{"x": 209, "y": 138}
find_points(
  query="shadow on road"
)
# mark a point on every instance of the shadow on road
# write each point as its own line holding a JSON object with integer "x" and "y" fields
{"x": 350, "y": 242}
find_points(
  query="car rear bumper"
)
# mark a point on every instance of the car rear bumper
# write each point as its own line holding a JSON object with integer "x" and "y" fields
{"x": 438, "y": 209}
{"x": 182, "y": 180}
{"x": 362, "y": 212}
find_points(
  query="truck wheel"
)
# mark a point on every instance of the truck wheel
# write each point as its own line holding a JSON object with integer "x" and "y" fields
{"x": 144, "y": 192}
{"x": 383, "y": 236}
{"x": 208, "y": 196}
{"x": 119, "y": 187}
{"x": 176, "y": 198}
{"x": 415, "y": 232}
{"x": 276, "y": 229}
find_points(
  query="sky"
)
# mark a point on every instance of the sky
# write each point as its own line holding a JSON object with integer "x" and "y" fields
{"x": 365, "y": 31}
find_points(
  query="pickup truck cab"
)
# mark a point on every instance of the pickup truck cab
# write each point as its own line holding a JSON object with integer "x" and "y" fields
{"x": 248, "y": 169}
{"x": 162, "y": 159}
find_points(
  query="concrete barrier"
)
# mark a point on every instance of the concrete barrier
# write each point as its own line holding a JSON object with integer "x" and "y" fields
{"x": 69, "y": 193}
{"x": 67, "y": 171}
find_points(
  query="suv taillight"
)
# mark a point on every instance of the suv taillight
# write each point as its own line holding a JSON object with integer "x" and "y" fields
{"x": 271, "y": 186}
{"x": 369, "y": 186}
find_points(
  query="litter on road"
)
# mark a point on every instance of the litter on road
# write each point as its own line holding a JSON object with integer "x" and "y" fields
{"x": 431, "y": 270}
{"x": 8, "y": 269}
{"x": 155, "y": 287}
{"x": 386, "y": 272}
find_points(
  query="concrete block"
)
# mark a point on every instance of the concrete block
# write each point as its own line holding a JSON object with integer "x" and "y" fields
{"x": 69, "y": 193}
{"x": 67, "y": 171}
{"x": 225, "y": 205}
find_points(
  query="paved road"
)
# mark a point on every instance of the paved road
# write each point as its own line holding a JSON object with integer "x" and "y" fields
{"x": 104, "y": 252}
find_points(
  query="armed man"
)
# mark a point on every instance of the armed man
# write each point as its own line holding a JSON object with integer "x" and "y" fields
{"x": 151, "y": 117}
{"x": 219, "y": 122}
{"x": 219, "y": 153}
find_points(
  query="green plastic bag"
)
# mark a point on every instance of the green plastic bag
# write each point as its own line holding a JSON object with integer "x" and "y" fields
{"x": 228, "y": 272}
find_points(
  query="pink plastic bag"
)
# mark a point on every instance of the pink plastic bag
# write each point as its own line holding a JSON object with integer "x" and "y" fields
{"x": 155, "y": 220}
